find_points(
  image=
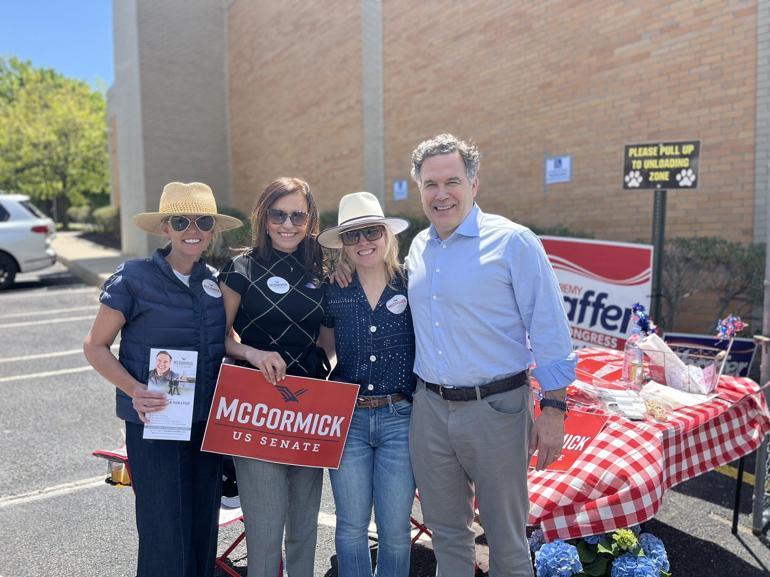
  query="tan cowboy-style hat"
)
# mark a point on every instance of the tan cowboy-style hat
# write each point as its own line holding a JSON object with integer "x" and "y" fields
{"x": 358, "y": 210}
{"x": 193, "y": 198}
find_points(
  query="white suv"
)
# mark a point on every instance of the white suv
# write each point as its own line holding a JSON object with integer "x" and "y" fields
{"x": 25, "y": 238}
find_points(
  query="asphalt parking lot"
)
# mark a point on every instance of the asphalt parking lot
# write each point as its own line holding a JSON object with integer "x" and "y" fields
{"x": 59, "y": 518}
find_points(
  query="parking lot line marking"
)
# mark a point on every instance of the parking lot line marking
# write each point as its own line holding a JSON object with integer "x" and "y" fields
{"x": 49, "y": 312}
{"x": 50, "y": 492}
{"x": 48, "y": 355}
{"x": 47, "y": 292}
{"x": 45, "y": 374}
{"x": 732, "y": 472}
{"x": 45, "y": 322}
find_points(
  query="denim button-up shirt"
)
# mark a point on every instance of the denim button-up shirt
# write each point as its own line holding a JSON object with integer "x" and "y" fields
{"x": 375, "y": 348}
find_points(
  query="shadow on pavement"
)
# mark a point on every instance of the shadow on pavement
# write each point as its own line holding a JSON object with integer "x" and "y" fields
{"x": 693, "y": 557}
{"x": 719, "y": 489}
{"x": 44, "y": 280}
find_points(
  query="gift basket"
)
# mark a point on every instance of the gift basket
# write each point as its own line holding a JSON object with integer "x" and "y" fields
{"x": 688, "y": 367}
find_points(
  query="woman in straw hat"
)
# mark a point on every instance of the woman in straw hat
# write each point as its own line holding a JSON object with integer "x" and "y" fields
{"x": 274, "y": 301}
{"x": 368, "y": 325}
{"x": 168, "y": 305}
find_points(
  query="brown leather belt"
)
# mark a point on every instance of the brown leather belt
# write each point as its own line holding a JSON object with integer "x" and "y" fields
{"x": 375, "y": 402}
{"x": 481, "y": 391}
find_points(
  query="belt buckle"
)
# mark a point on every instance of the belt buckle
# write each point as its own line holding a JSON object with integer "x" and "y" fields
{"x": 441, "y": 389}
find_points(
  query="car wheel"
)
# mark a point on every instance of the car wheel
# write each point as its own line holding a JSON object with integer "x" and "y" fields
{"x": 8, "y": 271}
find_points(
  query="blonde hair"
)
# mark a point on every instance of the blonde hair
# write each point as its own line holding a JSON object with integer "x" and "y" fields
{"x": 393, "y": 268}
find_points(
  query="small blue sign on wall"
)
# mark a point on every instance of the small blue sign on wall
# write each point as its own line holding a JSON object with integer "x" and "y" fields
{"x": 558, "y": 169}
{"x": 400, "y": 190}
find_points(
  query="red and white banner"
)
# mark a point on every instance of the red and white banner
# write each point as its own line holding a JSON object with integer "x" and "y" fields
{"x": 299, "y": 422}
{"x": 600, "y": 281}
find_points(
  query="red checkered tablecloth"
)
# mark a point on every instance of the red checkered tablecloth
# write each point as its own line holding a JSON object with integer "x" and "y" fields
{"x": 620, "y": 478}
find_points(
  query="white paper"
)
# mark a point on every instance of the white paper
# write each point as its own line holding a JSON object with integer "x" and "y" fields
{"x": 672, "y": 398}
{"x": 622, "y": 401}
{"x": 173, "y": 373}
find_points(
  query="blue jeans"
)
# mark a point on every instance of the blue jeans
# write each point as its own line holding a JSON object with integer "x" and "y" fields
{"x": 178, "y": 490}
{"x": 375, "y": 469}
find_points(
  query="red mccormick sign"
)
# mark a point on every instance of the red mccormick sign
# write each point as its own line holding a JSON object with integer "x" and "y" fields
{"x": 299, "y": 422}
{"x": 600, "y": 282}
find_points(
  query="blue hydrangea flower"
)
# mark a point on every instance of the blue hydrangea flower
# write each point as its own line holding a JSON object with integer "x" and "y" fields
{"x": 630, "y": 565}
{"x": 654, "y": 549}
{"x": 593, "y": 539}
{"x": 536, "y": 540}
{"x": 557, "y": 559}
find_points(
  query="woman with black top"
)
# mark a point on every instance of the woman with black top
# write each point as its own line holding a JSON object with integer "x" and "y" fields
{"x": 273, "y": 297}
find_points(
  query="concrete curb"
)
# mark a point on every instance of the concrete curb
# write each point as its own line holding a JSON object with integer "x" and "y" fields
{"x": 85, "y": 274}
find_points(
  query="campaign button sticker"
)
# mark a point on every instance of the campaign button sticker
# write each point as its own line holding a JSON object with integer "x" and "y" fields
{"x": 397, "y": 304}
{"x": 211, "y": 288}
{"x": 278, "y": 285}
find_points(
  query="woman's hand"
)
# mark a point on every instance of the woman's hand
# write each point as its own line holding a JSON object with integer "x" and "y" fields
{"x": 270, "y": 363}
{"x": 146, "y": 401}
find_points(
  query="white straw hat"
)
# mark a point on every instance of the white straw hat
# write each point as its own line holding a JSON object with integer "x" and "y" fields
{"x": 194, "y": 198}
{"x": 358, "y": 210}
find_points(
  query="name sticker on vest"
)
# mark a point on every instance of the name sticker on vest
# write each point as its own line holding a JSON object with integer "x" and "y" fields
{"x": 278, "y": 285}
{"x": 397, "y": 304}
{"x": 211, "y": 288}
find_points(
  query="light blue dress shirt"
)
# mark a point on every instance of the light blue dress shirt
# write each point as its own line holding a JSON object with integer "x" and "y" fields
{"x": 479, "y": 298}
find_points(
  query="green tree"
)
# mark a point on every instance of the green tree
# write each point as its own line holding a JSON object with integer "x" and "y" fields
{"x": 53, "y": 137}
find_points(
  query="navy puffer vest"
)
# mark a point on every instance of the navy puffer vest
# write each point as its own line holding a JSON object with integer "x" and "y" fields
{"x": 162, "y": 313}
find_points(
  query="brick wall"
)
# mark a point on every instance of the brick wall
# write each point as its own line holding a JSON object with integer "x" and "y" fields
{"x": 527, "y": 79}
{"x": 295, "y": 96}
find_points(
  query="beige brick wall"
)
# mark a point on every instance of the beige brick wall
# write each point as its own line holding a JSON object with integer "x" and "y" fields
{"x": 526, "y": 79}
{"x": 295, "y": 96}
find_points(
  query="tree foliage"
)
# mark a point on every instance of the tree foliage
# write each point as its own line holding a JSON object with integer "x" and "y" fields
{"x": 53, "y": 137}
{"x": 731, "y": 271}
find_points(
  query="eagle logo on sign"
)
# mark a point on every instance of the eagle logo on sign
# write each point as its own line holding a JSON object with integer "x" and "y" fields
{"x": 289, "y": 395}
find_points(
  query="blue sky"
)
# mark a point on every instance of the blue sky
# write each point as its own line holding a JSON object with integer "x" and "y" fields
{"x": 73, "y": 37}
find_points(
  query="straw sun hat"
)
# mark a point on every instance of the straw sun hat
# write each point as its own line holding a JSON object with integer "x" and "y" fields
{"x": 194, "y": 199}
{"x": 359, "y": 210}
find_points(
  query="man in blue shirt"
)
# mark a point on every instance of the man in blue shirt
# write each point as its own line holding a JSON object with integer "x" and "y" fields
{"x": 482, "y": 294}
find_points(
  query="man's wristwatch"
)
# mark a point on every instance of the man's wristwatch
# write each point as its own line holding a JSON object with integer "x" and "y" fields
{"x": 554, "y": 404}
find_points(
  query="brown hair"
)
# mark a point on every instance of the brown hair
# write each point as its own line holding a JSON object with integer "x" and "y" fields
{"x": 309, "y": 251}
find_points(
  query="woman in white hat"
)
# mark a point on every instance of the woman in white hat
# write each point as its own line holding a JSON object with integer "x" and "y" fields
{"x": 274, "y": 300}
{"x": 168, "y": 308}
{"x": 368, "y": 326}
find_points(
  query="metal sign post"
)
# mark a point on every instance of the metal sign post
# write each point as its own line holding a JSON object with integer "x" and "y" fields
{"x": 658, "y": 242}
{"x": 760, "y": 512}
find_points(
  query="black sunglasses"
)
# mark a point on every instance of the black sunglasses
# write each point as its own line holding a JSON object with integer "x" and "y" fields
{"x": 180, "y": 223}
{"x": 350, "y": 237}
{"x": 278, "y": 216}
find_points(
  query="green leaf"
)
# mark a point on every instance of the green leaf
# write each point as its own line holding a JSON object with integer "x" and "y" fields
{"x": 597, "y": 568}
{"x": 602, "y": 547}
{"x": 586, "y": 552}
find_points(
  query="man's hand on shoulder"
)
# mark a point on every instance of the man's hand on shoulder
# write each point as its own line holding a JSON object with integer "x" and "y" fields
{"x": 342, "y": 275}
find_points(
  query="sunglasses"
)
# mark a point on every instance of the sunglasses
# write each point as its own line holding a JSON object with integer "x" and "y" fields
{"x": 350, "y": 237}
{"x": 278, "y": 216}
{"x": 180, "y": 223}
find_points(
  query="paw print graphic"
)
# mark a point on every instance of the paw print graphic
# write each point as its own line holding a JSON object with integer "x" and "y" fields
{"x": 686, "y": 177}
{"x": 633, "y": 179}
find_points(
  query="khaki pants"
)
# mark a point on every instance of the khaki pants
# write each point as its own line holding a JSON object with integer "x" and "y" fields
{"x": 462, "y": 448}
